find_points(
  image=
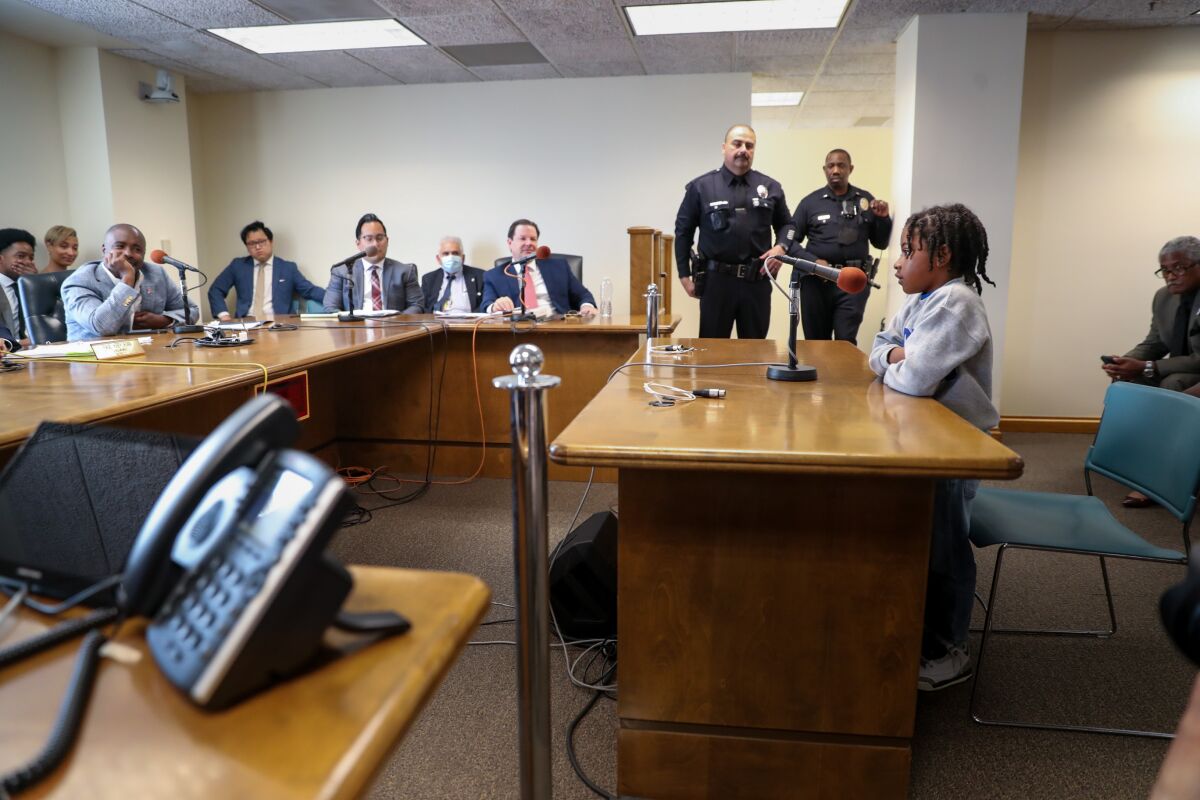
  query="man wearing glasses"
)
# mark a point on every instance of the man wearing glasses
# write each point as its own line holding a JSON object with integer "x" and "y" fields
{"x": 1169, "y": 356}
{"x": 265, "y": 284}
{"x": 375, "y": 282}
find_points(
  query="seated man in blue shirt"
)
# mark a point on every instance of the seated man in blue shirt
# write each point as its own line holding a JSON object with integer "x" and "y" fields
{"x": 265, "y": 284}
{"x": 549, "y": 282}
{"x": 121, "y": 292}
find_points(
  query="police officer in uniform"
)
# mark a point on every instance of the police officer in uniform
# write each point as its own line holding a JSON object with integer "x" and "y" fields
{"x": 838, "y": 221}
{"x": 740, "y": 213}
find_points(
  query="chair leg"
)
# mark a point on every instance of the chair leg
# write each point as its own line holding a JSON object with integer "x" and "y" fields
{"x": 988, "y": 630}
{"x": 1097, "y": 634}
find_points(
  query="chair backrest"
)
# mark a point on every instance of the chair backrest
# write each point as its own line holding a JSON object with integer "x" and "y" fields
{"x": 42, "y": 306}
{"x": 1149, "y": 440}
{"x": 574, "y": 263}
{"x": 309, "y": 307}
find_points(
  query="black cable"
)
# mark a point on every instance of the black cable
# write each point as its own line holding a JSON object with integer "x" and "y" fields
{"x": 56, "y": 635}
{"x": 571, "y": 739}
{"x": 66, "y": 725}
{"x": 54, "y": 609}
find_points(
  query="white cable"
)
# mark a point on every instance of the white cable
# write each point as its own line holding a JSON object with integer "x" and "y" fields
{"x": 13, "y": 604}
{"x": 666, "y": 393}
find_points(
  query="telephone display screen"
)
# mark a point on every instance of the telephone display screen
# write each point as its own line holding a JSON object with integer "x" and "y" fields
{"x": 275, "y": 506}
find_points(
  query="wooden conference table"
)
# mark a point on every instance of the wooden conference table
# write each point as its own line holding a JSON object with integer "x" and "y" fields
{"x": 368, "y": 387}
{"x": 320, "y": 735}
{"x": 772, "y": 558}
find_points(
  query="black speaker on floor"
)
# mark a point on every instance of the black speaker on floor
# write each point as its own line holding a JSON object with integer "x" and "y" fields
{"x": 73, "y": 499}
{"x": 583, "y": 580}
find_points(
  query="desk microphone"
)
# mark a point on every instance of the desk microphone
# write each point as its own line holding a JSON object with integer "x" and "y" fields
{"x": 542, "y": 253}
{"x": 345, "y": 262}
{"x": 161, "y": 257}
{"x": 851, "y": 280}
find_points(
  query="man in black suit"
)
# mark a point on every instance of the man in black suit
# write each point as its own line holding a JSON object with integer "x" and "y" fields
{"x": 455, "y": 287}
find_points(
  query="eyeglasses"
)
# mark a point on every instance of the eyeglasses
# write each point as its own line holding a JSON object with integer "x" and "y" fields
{"x": 368, "y": 238}
{"x": 1165, "y": 272}
{"x": 257, "y": 243}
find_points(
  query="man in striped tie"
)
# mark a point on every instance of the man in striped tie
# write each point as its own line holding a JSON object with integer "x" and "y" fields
{"x": 374, "y": 282}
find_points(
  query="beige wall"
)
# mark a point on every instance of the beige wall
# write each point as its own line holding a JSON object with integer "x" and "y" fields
{"x": 1108, "y": 167}
{"x": 794, "y": 158}
{"x": 31, "y": 147}
{"x": 586, "y": 159}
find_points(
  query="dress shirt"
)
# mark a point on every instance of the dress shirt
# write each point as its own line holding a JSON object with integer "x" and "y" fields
{"x": 268, "y": 309}
{"x": 134, "y": 306}
{"x": 460, "y": 301}
{"x": 368, "y": 297}
{"x": 10, "y": 291}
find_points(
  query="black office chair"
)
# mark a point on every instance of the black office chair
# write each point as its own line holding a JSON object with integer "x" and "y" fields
{"x": 574, "y": 263}
{"x": 42, "y": 306}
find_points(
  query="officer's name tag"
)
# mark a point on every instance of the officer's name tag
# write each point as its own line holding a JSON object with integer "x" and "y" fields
{"x": 822, "y": 218}
{"x": 119, "y": 348}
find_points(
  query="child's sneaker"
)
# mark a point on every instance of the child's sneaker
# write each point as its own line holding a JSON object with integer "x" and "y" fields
{"x": 952, "y": 668}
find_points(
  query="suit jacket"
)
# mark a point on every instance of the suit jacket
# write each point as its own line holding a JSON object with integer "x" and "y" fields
{"x": 1162, "y": 323}
{"x": 401, "y": 291}
{"x": 286, "y": 281}
{"x": 9, "y": 316}
{"x": 13, "y": 343}
{"x": 95, "y": 307}
{"x": 432, "y": 283}
{"x": 566, "y": 291}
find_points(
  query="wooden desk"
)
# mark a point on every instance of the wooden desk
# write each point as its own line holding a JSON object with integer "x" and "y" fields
{"x": 322, "y": 735}
{"x": 772, "y": 557}
{"x": 369, "y": 387}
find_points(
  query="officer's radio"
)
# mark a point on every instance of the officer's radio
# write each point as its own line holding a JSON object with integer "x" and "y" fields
{"x": 699, "y": 273}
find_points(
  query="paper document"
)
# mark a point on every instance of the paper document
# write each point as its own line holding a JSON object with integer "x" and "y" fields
{"x": 462, "y": 315}
{"x": 387, "y": 312}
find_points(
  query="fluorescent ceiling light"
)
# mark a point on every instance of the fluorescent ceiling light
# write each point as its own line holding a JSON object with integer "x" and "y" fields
{"x": 737, "y": 15}
{"x": 321, "y": 36}
{"x": 775, "y": 98}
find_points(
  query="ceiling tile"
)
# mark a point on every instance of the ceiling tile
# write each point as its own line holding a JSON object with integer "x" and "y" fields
{"x": 600, "y": 69}
{"x": 422, "y": 8}
{"x": 516, "y": 72}
{"x": 776, "y": 83}
{"x": 214, "y": 13}
{"x": 866, "y": 40}
{"x": 208, "y": 53}
{"x": 784, "y": 43}
{"x": 855, "y": 83}
{"x": 121, "y": 18}
{"x": 164, "y": 62}
{"x": 686, "y": 53}
{"x": 484, "y": 27}
{"x": 322, "y": 10}
{"x": 778, "y": 65}
{"x": 416, "y": 64}
{"x": 577, "y": 20}
{"x": 565, "y": 49}
{"x": 332, "y": 68}
{"x": 867, "y": 63}
{"x": 214, "y": 85}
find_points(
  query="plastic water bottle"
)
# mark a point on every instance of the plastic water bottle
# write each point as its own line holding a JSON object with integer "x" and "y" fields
{"x": 606, "y": 294}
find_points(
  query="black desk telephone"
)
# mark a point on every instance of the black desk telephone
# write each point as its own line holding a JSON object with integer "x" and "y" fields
{"x": 229, "y": 567}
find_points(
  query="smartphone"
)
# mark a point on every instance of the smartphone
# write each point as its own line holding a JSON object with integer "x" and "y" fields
{"x": 1108, "y": 359}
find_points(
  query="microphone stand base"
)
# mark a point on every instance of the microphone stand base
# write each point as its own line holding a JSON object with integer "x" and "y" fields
{"x": 188, "y": 329}
{"x": 800, "y": 372}
{"x": 350, "y": 316}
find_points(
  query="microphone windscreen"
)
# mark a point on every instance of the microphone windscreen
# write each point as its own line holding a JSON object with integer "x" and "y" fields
{"x": 371, "y": 251}
{"x": 543, "y": 252}
{"x": 157, "y": 256}
{"x": 852, "y": 280}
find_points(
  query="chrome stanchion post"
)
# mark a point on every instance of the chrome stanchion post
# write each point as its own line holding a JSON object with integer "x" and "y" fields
{"x": 652, "y": 297}
{"x": 530, "y": 535}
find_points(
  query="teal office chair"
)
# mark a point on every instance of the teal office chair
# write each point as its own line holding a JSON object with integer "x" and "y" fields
{"x": 1149, "y": 440}
{"x": 308, "y": 307}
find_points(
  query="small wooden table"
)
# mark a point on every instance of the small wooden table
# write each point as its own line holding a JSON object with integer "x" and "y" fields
{"x": 320, "y": 735}
{"x": 772, "y": 560}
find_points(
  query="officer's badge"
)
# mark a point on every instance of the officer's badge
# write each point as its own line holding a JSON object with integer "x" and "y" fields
{"x": 863, "y": 204}
{"x": 762, "y": 191}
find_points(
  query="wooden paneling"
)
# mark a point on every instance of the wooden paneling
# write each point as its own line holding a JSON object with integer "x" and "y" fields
{"x": 321, "y": 735}
{"x": 669, "y": 765}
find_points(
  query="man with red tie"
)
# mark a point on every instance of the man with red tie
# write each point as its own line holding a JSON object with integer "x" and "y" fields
{"x": 375, "y": 282}
{"x": 549, "y": 283}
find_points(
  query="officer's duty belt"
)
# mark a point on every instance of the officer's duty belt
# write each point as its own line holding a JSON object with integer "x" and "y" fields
{"x": 746, "y": 272}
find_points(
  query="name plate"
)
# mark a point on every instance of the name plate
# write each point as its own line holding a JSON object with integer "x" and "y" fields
{"x": 119, "y": 348}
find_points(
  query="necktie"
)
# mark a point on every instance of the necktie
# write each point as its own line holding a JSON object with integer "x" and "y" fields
{"x": 376, "y": 289}
{"x": 444, "y": 303}
{"x": 1183, "y": 316}
{"x": 18, "y": 317}
{"x": 530, "y": 295}
{"x": 260, "y": 289}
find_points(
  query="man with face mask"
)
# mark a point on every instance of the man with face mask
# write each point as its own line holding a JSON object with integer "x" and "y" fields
{"x": 455, "y": 287}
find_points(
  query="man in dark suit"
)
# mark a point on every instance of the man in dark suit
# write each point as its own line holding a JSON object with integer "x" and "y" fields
{"x": 16, "y": 259}
{"x": 549, "y": 283}
{"x": 376, "y": 282}
{"x": 265, "y": 284}
{"x": 455, "y": 287}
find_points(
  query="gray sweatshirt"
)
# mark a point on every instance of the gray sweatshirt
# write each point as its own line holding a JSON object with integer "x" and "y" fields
{"x": 947, "y": 352}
